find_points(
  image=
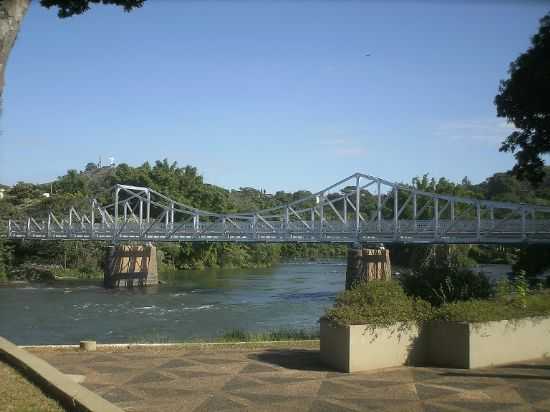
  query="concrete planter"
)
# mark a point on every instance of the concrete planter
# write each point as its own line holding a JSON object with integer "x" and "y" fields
{"x": 361, "y": 347}
{"x": 476, "y": 345}
{"x": 445, "y": 344}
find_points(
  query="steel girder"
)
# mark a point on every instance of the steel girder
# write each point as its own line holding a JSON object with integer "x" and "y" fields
{"x": 358, "y": 209}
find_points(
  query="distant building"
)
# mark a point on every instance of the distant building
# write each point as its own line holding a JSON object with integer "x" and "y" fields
{"x": 2, "y": 193}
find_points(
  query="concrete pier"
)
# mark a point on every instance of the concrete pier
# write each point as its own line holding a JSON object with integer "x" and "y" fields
{"x": 131, "y": 265}
{"x": 366, "y": 264}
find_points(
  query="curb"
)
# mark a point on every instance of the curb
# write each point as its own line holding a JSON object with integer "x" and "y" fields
{"x": 181, "y": 345}
{"x": 70, "y": 394}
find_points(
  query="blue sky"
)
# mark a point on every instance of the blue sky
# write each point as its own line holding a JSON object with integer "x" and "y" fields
{"x": 275, "y": 95}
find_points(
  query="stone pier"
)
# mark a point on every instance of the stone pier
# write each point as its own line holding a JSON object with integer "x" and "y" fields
{"x": 366, "y": 264}
{"x": 131, "y": 265}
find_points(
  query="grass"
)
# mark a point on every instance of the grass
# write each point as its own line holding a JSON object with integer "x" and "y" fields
{"x": 238, "y": 335}
{"x": 17, "y": 394}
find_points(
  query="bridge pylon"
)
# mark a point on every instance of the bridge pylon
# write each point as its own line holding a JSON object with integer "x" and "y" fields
{"x": 365, "y": 263}
{"x": 130, "y": 265}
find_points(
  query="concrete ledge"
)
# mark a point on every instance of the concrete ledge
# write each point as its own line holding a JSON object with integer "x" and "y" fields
{"x": 360, "y": 347}
{"x": 70, "y": 394}
{"x": 181, "y": 345}
{"x": 437, "y": 343}
{"x": 477, "y": 345}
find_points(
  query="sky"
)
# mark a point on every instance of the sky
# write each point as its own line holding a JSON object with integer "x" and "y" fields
{"x": 268, "y": 94}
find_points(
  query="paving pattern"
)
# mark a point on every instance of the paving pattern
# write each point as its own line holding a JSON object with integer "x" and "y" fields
{"x": 293, "y": 379}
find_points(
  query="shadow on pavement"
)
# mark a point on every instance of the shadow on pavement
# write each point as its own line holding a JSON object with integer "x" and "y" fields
{"x": 298, "y": 359}
{"x": 525, "y": 366}
{"x": 495, "y": 375}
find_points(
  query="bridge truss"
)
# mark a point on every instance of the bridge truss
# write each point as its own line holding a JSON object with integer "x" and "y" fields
{"x": 358, "y": 209}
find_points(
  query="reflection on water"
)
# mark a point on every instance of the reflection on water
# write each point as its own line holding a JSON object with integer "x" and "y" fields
{"x": 190, "y": 304}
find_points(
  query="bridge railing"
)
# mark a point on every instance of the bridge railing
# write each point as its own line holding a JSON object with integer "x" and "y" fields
{"x": 489, "y": 231}
{"x": 360, "y": 208}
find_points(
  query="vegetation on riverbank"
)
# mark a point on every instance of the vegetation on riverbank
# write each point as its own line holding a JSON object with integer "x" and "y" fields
{"x": 239, "y": 335}
{"x": 184, "y": 184}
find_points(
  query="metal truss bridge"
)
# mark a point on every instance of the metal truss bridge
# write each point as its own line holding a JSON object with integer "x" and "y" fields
{"x": 358, "y": 209}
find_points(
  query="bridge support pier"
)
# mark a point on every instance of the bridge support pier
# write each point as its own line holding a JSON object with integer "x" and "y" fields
{"x": 130, "y": 265}
{"x": 366, "y": 264}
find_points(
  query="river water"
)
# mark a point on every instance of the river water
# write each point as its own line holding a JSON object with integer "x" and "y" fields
{"x": 190, "y": 305}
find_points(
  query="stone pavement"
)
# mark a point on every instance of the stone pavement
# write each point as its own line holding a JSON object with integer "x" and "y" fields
{"x": 293, "y": 379}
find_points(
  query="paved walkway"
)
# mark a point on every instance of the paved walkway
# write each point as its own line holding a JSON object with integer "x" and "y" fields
{"x": 293, "y": 379}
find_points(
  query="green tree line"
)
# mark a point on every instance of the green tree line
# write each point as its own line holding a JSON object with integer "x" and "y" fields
{"x": 186, "y": 185}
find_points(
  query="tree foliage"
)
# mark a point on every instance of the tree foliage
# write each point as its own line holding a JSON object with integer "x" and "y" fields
{"x": 524, "y": 99}
{"x": 69, "y": 8}
{"x": 186, "y": 185}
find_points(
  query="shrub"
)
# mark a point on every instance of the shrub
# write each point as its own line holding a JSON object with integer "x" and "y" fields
{"x": 439, "y": 286}
{"x": 441, "y": 275}
{"x": 492, "y": 254}
{"x": 495, "y": 309}
{"x": 532, "y": 260}
{"x": 378, "y": 303}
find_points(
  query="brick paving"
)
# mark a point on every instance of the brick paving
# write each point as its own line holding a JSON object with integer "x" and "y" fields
{"x": 293, "y": 379}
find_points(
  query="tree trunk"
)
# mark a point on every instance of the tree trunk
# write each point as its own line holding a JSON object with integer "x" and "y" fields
{"x": 11, "y": 16}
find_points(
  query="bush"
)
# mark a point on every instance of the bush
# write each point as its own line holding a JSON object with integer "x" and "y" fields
{"x": 498, "y": 254}
{"x": 6, "y": 257}
{"x": 440, "y": 275}
{"x": 378, "y": 303}
{"x": 499, "y": 308}
{"x": 439, "y": 286}
{"x": 532, "y": 260}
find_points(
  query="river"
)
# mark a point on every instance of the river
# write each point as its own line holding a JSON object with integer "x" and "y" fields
{"x": 190, "y": 305}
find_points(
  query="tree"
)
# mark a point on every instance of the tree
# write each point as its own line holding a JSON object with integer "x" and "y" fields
{"x": 12, "y": 13}
{"x": 524, "y": 99}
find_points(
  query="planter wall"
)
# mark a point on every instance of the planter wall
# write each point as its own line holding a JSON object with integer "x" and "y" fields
{"x": 445, "y": 344}
{"x": 359, "y": 347}
{"x": 476, "y": 345}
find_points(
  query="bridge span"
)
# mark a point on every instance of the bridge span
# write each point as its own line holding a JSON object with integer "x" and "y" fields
{"x": 358, "y": 209}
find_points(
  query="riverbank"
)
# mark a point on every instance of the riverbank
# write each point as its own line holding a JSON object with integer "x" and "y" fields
{"x": 35, "y": 273}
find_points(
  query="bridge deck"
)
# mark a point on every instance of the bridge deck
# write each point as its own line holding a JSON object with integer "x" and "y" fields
{"x": 360, "y": 208}
{"x": 406, "y": 231}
